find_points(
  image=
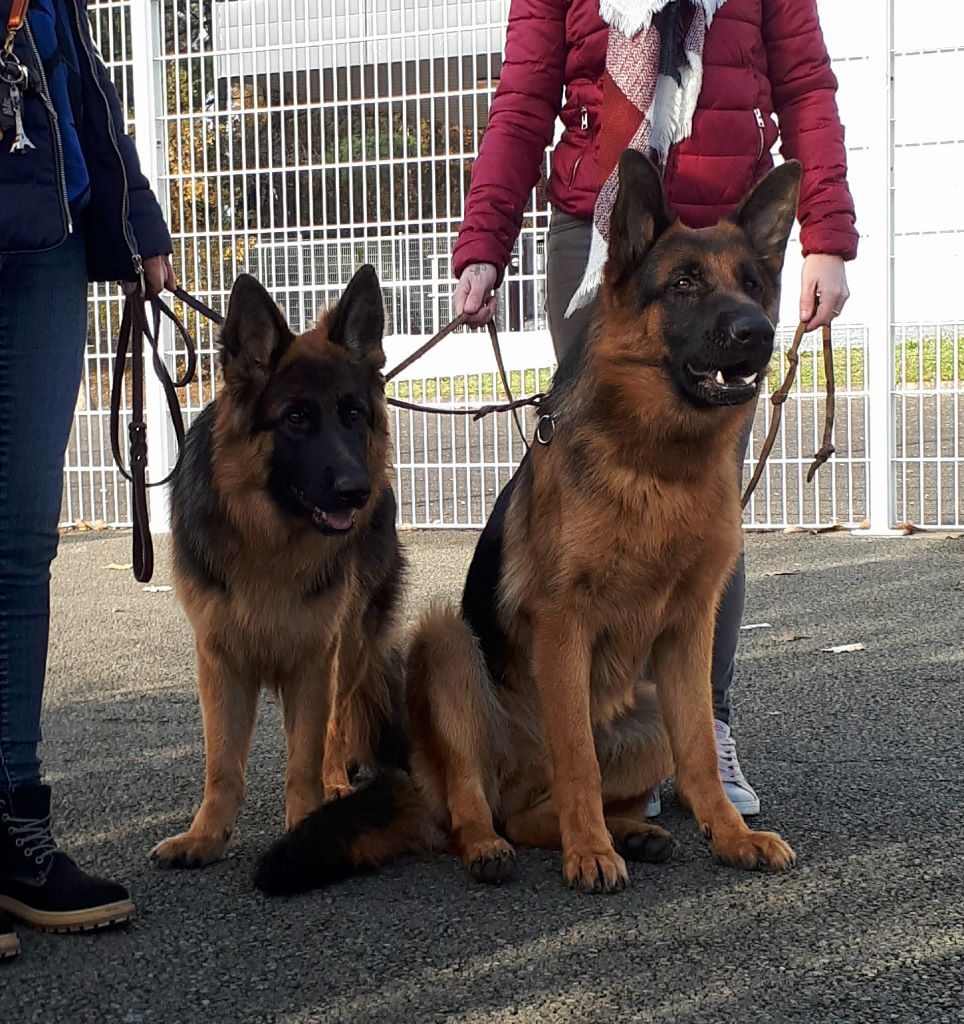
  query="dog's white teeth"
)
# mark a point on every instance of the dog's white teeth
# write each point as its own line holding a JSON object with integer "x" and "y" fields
{"x": 719, "y": 378}
{"x": 751, "y": 379}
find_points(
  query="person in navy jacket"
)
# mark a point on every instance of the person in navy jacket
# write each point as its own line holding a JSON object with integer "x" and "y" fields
{"x": 74, "y": 208}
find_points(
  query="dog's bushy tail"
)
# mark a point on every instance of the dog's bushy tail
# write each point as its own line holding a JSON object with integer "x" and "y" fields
{"x": 384, "y": 819}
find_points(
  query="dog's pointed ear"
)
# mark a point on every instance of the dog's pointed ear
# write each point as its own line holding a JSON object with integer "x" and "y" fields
{"x": 254, "y": 337}
{"x": 640, "y": 213}
{"x": 358, "y": 321}
{"x": 766, "y": 215}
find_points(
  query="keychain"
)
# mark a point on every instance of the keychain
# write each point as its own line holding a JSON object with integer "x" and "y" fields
{"x": 14, "y": 78}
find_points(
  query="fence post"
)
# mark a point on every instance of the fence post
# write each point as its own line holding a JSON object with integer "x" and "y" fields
{"x": 145, "y": 25}
{"x": 880, "y": 355}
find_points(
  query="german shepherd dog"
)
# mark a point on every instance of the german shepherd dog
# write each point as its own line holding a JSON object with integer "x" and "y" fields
{"x": 286, "y": 557}
{"x": 532, "y": 718}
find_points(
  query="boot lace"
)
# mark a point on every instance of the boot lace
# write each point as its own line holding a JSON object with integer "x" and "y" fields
{"x": 34, "y": 835}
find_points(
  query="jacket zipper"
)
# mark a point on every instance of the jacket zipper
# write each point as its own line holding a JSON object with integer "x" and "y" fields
{"x": 584, "y": 125}
{"x": 761, "y": 125}
{"x": 55, "y": 123}
{"x": 136, "y": 260}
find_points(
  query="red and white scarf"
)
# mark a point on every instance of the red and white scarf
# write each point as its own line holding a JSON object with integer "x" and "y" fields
{"x": 650, "y": 88}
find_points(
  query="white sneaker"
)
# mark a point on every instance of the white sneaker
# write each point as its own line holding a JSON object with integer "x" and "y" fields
{"x": 741, "y": 794}
{"x": 654, "y": 806}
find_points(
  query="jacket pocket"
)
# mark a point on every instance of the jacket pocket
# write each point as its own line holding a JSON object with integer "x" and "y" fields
{"x": 584, "y": 134}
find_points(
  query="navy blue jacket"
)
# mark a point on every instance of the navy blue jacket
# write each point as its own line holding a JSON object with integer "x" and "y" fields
{"x": 122, "y": 219}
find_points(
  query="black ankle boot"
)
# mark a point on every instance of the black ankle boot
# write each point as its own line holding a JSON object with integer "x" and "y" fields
{"x": 9, "y": 943}
{"x": 41, "y": 885}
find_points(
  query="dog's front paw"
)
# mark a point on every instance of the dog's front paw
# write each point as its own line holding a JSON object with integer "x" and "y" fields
{"x": 338, "y": 791}
{"x": 601, "y": 870}
{"x": 189, "y": 850}
{"x": 755, "y": 850}
{"x": 490, "y": 860}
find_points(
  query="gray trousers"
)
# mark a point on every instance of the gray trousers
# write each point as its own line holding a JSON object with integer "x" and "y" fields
{"x": 567, "y": 253}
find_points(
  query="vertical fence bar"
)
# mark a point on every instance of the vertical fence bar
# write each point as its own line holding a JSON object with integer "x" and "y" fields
{"x": 148, "y": 95}
{"x": 880, "y": 369}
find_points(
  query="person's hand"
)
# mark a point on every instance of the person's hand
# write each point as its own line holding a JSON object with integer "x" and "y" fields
{"x": 823, "y": 290}
{"x": 159, "y": 274}
{"x": 474, "y": 294}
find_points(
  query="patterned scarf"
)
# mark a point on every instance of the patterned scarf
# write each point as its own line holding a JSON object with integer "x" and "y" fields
{"x": 654, "y": 72}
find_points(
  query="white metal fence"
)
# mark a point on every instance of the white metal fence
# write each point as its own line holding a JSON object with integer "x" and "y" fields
{"x": 297, "y": 139}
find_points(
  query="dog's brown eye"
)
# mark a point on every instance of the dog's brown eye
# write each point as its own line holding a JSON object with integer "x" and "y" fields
{"x": 751, "y": 285}
{"x": 297, "y": 417}
{"x": 683, "y": 284}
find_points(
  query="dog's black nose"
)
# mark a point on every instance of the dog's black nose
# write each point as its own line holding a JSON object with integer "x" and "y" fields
{"x": 749, "y": 330}
{"x": 353, "y": 489}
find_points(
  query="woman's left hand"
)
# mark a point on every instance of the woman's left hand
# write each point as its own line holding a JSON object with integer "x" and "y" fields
{"x": 823, "y": 290}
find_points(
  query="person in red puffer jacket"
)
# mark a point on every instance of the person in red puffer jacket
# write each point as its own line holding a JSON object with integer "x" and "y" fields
{"x": 763, "y": 61}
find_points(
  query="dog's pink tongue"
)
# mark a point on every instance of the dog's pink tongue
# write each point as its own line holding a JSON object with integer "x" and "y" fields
{"x": 339, "y": 520}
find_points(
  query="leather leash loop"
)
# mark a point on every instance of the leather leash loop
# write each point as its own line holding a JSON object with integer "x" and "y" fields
{"x": 779, "y": 397}
{"x": 135, "y": 328}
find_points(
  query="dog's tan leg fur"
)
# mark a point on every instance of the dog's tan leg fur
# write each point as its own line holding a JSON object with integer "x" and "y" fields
{"x": 305, "y": 704}
{"x": 561, "y": 666}
{"x": 451, "y": 722}
{"x": 682, "y": 658}
{"x": 341, "y": 740}
{"x": 228, "y": 709}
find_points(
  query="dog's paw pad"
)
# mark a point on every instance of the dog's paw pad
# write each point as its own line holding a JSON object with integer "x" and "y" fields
{"x": 492, "y": 862}
{"x": 652, "y": 846}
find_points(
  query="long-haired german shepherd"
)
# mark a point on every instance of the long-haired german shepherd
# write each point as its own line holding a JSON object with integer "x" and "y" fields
{"x": 531, "y": 722}
{"x": 286, "y": 557}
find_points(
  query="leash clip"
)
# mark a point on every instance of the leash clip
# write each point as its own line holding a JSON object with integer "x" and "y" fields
{"x": 544, "y": 433}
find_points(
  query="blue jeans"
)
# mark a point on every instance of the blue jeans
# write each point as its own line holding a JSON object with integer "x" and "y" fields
{"x": 43, "y": 334}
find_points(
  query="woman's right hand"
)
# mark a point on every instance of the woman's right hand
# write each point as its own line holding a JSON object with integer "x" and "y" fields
{"x": 475, "y": 295}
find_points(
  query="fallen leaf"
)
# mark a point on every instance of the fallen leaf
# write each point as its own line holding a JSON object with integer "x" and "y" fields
{"x": 118, "y": 566}
{"x": 864, "y": 524}
{"x": 757, "y": 625}
{"x": 157, "y": 590}
{"x": 907, "y": 528}
{"x": 405, "y": 528}
{"x": 788, "y": 638}
{"x": 843, "y": 649}
{"x": 835, "y": 528}
{"x": 794, "y": 529}
{"x": 781, "y": 572}
{"x": 82, "y": 526}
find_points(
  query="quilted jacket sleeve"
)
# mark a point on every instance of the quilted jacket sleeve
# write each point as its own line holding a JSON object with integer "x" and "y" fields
{"x": 146, "y": 218}
{"x": 521, "y": 122}
{"x": 804, "y": 94}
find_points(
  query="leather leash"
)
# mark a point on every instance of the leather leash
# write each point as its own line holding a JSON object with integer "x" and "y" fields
{"x": 136, "y": 326}
{"x": 512, "y": 405}
{"x": 778, "y": 398}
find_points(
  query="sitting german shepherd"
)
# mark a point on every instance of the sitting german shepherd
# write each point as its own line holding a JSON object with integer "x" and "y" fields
{"x": 610, "y": 545}
{"x": 286, "y": 558}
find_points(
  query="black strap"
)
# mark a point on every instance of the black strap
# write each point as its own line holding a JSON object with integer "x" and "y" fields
{"x": 135, "y": 327}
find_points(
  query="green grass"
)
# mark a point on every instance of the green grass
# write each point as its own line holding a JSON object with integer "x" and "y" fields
{"x": 474, "y": 389}
{"x": 915, "y": 366}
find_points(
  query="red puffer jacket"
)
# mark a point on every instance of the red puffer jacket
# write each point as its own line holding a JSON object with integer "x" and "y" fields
{"x": 761, "y": 58}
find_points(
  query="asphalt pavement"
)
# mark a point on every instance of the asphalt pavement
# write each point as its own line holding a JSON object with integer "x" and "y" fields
{"x": 856, "y": 756}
